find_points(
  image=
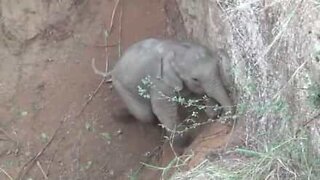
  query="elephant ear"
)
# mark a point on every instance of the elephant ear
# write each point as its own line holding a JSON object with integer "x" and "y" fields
{"x": 168, "y": 74}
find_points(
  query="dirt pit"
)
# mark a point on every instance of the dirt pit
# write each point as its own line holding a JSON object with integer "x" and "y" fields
{"x": 46, "y": 80}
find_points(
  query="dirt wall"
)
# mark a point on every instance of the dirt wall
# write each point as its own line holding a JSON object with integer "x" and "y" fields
{"x": 272, "y": 67}
{"x": 46, "y": 79}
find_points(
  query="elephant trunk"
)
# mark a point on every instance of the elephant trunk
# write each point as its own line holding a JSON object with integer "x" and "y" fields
{"x": 217, "y": 91}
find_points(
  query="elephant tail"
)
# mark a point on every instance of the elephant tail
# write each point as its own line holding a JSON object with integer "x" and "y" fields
{"x": 106, "y": 75}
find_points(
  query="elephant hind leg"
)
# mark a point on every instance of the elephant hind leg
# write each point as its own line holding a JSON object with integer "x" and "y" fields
{"x": 140, "y": 110}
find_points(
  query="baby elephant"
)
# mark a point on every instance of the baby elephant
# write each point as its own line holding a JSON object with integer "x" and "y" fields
{"x": 152, "y": 72}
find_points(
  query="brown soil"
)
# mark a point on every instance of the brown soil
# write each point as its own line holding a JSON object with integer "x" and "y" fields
{"x": 49, "y": 80}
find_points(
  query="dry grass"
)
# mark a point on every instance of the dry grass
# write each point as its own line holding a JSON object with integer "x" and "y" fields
{"x": 273, "y": 50}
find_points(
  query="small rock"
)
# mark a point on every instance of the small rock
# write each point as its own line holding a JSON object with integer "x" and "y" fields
{"x": 119, "y": 132}
{"x": 111, "y": 172}
{"x": 49, "y": 60}
{"x": 24, "y": 113}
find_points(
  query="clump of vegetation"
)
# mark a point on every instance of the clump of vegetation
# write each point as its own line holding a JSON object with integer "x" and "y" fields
{"x": 270, "y": 56}
{"x": 286, "y": 158}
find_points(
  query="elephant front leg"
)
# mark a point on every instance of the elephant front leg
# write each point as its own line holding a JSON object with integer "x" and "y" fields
{"x": 167, "y": 113}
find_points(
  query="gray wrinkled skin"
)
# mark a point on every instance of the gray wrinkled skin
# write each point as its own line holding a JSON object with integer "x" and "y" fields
{"x": 173, "y": 67}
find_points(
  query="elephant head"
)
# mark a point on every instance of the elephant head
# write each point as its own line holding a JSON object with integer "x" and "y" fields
{"x": 196, "y": 68}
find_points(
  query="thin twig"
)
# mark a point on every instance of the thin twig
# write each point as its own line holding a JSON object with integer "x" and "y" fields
{"x": 5, "y": 173}
{"x": 107, "y": 59}
{"x": 310, "y": 120}
{"x": 29, "y": 164}
{"x": 104, "y": 45}
{"x": 91, "y": 97}
{"x": 104, "y": 74}
{"x": 98, "y": 45}
{"x": 112, "y": 16}
{"x": 120, "y": 31}
{"x": 108, "y": 33}
{"x": 42, "y": 171}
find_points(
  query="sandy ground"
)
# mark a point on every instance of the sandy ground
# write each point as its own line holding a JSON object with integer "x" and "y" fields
{"x": 49, "y": 81}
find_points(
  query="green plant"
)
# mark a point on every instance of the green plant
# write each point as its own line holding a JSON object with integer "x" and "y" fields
{"x": 314, "y": 95}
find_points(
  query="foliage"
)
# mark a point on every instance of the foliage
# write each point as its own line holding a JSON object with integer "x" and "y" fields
{"x": 271, "y": 50}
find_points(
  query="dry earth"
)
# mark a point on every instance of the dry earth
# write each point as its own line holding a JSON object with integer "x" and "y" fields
{"x": 48, "y": 79}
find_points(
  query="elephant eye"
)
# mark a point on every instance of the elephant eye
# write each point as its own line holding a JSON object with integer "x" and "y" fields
{"x": 195, "y": 79}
